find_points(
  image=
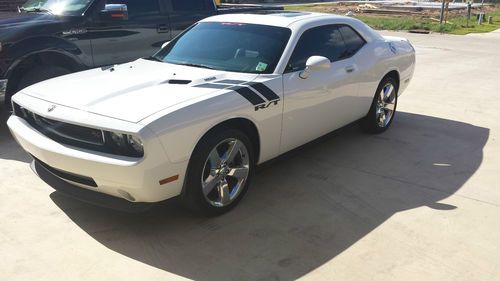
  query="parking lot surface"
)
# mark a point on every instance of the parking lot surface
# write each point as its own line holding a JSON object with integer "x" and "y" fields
{"x": 420, "y": 202}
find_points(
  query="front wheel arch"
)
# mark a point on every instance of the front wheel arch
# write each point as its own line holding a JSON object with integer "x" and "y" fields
{"x": 245, "y": 125}
{"x": 240, "y": 123}
{"x": 193, "y": 196}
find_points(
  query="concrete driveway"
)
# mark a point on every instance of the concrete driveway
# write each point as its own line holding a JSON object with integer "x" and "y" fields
{"x": 420, "y": 202}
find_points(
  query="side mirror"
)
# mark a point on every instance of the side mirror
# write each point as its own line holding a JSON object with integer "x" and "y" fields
{"x": 115, "y": 12}
{"x": 315, "y": 63}
{"x": 165, "y": 44}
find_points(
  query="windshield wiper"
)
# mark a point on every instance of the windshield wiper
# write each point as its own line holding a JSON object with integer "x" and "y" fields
{"x": 35, "y": 10}
{"x": 153, "y": 58}
{"x": 196, "y": 65}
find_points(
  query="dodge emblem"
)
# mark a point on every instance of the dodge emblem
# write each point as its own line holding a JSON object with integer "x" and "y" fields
{"x": 51, "y": 108}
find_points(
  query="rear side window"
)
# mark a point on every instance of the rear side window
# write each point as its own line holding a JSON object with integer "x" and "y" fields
{"x": 188, "y": 5}
{"x": 139, "y": 8}
{"x": 352, "y": 40}
{"x": 323, "y": 41}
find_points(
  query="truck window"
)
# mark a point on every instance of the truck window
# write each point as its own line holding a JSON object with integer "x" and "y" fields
{"x": 139, "y": 8}
{"x": 188, "y": 5}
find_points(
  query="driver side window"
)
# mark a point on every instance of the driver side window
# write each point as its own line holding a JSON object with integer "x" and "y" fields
{"x": 323, "y": 41}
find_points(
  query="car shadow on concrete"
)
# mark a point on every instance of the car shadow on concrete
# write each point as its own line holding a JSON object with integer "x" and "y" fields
{"x": 9, "y": 149}
{"x": 304, "y": 208}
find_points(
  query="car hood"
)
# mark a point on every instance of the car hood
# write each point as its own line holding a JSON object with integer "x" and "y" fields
{"x": 13, "y": 19}
{"x": 131, "y": 91}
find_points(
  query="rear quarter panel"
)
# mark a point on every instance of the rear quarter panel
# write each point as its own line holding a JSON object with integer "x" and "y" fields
{"x": 376, "y": 59}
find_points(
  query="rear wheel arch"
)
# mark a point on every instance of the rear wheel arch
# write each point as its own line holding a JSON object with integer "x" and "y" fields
{"x": 383, "y": 107}
{"x": 393, "y": 74}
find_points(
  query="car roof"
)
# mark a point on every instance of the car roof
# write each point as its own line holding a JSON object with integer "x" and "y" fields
{"x": 296, "y": 21}
{"x": 273, "y": 18}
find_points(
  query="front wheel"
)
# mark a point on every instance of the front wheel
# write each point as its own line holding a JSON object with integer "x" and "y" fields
{"x": 219, "y": 172}
{"x": 383, "y": 108}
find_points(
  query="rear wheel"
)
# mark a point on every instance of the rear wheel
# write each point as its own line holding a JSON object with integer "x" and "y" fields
{"x": 219, "y": 172}
{"x": 383, "y": 108}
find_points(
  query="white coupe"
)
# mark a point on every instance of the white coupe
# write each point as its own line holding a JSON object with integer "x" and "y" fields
{"x": 229, "y": 93}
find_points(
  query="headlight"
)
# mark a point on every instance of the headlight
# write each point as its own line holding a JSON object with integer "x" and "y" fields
{"x": 127, "y": 145}
{"x": 118, "y": 139}
{"x": 136, "y": 144}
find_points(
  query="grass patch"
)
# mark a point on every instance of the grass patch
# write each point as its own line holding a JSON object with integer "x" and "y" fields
{"x": 461, "y": 22}
{"x": 455, "y": 24}
{"x": 405, "y": 23}
{"x": 304, "y": 7}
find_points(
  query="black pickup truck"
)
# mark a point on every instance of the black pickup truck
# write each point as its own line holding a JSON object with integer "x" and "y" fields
{"x": 48, "y": 38}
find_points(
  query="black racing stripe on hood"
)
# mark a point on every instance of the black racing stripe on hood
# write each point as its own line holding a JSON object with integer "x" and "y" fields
{"x": 212, "y": 86}
{"x": 248, "y": 94}
{"x": 264, "y": 91}
{"x": 232, "y": 82}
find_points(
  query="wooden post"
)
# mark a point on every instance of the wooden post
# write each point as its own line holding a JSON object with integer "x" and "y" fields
{"x": 468, "y": 12}
{"x": 441, "y": 16}
{"x": 446, "y": 11}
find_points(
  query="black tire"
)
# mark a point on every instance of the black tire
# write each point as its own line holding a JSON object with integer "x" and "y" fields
{"x": 41, "y": 73}
{"x": 35, "y": 75}
{"x": 372, "y": 123}
{"x": 193, "y": 196}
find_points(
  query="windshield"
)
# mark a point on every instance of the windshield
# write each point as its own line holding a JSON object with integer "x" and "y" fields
{"x": 57, "y": 7}
{"x": 238, "y": 47}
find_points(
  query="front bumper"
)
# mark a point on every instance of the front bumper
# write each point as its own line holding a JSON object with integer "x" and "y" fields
{"x": 85, "y": 195}
{"x": 3, "y": 89}
{"x": 136, "y": 180}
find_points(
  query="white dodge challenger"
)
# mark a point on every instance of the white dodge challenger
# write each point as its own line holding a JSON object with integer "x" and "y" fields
{"x": 229, "y": 93}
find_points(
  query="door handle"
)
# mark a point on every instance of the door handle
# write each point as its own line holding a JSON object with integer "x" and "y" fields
{"x": 163, "y": 28}
{"x": 349, "y": 69}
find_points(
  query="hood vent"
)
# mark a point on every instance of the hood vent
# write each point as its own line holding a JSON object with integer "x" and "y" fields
{"x": 177, "y": 81}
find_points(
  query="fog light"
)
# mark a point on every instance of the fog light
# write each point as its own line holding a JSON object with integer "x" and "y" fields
{"x": 126, "y": 195}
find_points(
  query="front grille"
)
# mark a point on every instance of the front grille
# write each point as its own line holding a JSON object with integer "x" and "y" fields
{"x": 60, "y": 131}
{"x": 74, "y": 135}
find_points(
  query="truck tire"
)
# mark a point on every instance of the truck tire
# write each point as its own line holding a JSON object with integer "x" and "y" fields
{"x": 40, "y": 73}
{"x": 35, "y": 75}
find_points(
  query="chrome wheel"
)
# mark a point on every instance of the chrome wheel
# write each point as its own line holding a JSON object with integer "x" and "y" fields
{"x": 225, "y": 172}
{"x": 385, "y": 105}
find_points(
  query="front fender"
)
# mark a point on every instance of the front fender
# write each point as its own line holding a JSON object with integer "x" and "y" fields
{"x": 78, "y": 51}
{"x": 181, "y": 129}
